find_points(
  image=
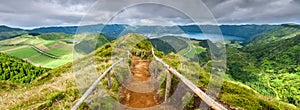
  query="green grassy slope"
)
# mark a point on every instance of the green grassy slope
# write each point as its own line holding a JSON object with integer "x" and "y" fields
{"x": 56, "y": 47}
{"x": 57, "y": 89}
{"x": 271, "y": 69}
{"x": 89, "y": 42}
{"x": 7, "y": 32}
{"x": 50, "y": 43}
{"x": 18, "y": 71}
{"x": 279, "y": 62}
{"x": 284, "y": 32}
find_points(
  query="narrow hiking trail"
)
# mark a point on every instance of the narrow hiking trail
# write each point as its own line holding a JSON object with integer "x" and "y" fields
{"x": 140, "y": 73}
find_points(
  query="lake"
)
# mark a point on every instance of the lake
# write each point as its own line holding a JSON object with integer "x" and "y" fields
{"x": 201, "y": 36}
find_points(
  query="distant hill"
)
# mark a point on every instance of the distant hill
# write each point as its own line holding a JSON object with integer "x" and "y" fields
{"x": 109, "y": 30}
{"x": 116, "y": 30}
{"x": 284, "y": 31}
{"x": 90, "y": 43}
{"x": 8, "y": 32}
{"x": 168, "y": 44}
{"x": 7, "y": 29}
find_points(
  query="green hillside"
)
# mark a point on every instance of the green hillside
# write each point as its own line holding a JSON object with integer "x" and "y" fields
{"x": 284, "y": 32}
{"x": 89, "y": 42}
{"x": 270, "y": 67}
{"x": 37, "y": 48}
{"x": 8, "y": 32}
{"x": 180, "y": 45}
{"x": 57, "y": 89}
{"x": 18, "y": 71}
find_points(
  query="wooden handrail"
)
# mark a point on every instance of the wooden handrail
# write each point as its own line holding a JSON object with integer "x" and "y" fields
{"x": 208, "y": 100}
{"x": 93, "y": 86}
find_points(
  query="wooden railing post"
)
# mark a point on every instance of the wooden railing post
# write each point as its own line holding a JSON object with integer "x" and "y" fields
{"x": 208, "y": 100}
{"x": 168, "y": 86}
{"x": 156, "y": 69}
{"x": 93, "y": 86}
{"x": 128, "y": 54}
{"x": 109, "y": 80}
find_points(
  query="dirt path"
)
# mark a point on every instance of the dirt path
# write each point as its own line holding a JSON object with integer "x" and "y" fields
{"x": 140, "y": 72}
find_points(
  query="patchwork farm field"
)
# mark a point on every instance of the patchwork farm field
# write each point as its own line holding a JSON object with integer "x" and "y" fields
{"x": 193, "y": 49}
{"x": 22, "y": 47}
{"x": 7, "y": 48}
{"x": 61, "y": 51}
{"x": 42, "y": 60}
{"x": 23, "y": 52}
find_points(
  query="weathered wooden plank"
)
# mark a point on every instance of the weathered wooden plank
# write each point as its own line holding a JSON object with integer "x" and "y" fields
{"x": 156, "y": 69}
{"x": 168, "y": 86}
{"x": 209, "y": 101}
{"x": 93, "y": 86}
{"x": 109, "y": 79}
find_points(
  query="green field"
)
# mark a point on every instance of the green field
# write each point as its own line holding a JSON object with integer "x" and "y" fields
{"x": 61, "y": 50}
{"x": 192, "y": 50}
{"x": 39, "y": 59}
{"x": 42, "y": 60}
{"x": 64, "y": 50}
{"x": 23, "y": 52}
{"x": 200, "y": 50}
{"x": 52, "y": 43}
{"x": 3, "y": 48}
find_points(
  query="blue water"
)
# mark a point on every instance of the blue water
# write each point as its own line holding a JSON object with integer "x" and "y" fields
{"x": 201, "y": 36}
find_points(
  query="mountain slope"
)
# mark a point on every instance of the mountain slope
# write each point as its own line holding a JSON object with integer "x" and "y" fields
{"x": 18, "y": 71}
{"x": 284, "y": 32}
{"x": 8, "y": 32}
{"x": 57, "y": 88}
{"x": 36, "y": 49}
{"x": 115, "y": 30}
{"x": 271, "y": 69}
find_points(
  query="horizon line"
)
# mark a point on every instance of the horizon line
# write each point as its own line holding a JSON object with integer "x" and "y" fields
{"x": 76, "y": 25}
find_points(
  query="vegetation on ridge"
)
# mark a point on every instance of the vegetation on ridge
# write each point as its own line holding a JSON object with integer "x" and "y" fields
{"x": 18, "y": 71}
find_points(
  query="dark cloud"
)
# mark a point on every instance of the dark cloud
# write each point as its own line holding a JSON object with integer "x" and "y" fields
{"x": 256, "y": 11}
{"x": 36, "y": 13}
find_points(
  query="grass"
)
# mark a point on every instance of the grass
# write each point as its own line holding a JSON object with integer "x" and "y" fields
{"x": 189, "y": 54}
{"x": 23, "y": 52}
{"x": 44, "y": 61}
{"x": 64, "y": 51}
{"x": 200, "y": 50}
{"x": 33, "y": 41}
{"x": 196, "y": 49}
{"x": 56, "y": 93}
{"x": 237, "y": 95}
{"x": 61, "y": 50}
{"x": 57, "y": 88}
{"x": 50, "y": 43}
{"x": 3, "y": 48}
{"x": 7, "y": 86}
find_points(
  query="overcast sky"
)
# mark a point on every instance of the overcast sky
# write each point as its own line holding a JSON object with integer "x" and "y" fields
{"x": 37, "y": 13}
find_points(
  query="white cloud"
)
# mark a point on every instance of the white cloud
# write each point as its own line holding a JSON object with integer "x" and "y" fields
{"x": 35, "y": 13}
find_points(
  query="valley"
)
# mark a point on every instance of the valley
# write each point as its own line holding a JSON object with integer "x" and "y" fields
{"x": 38, "y": 51}
{"x": 262, "y": 71}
